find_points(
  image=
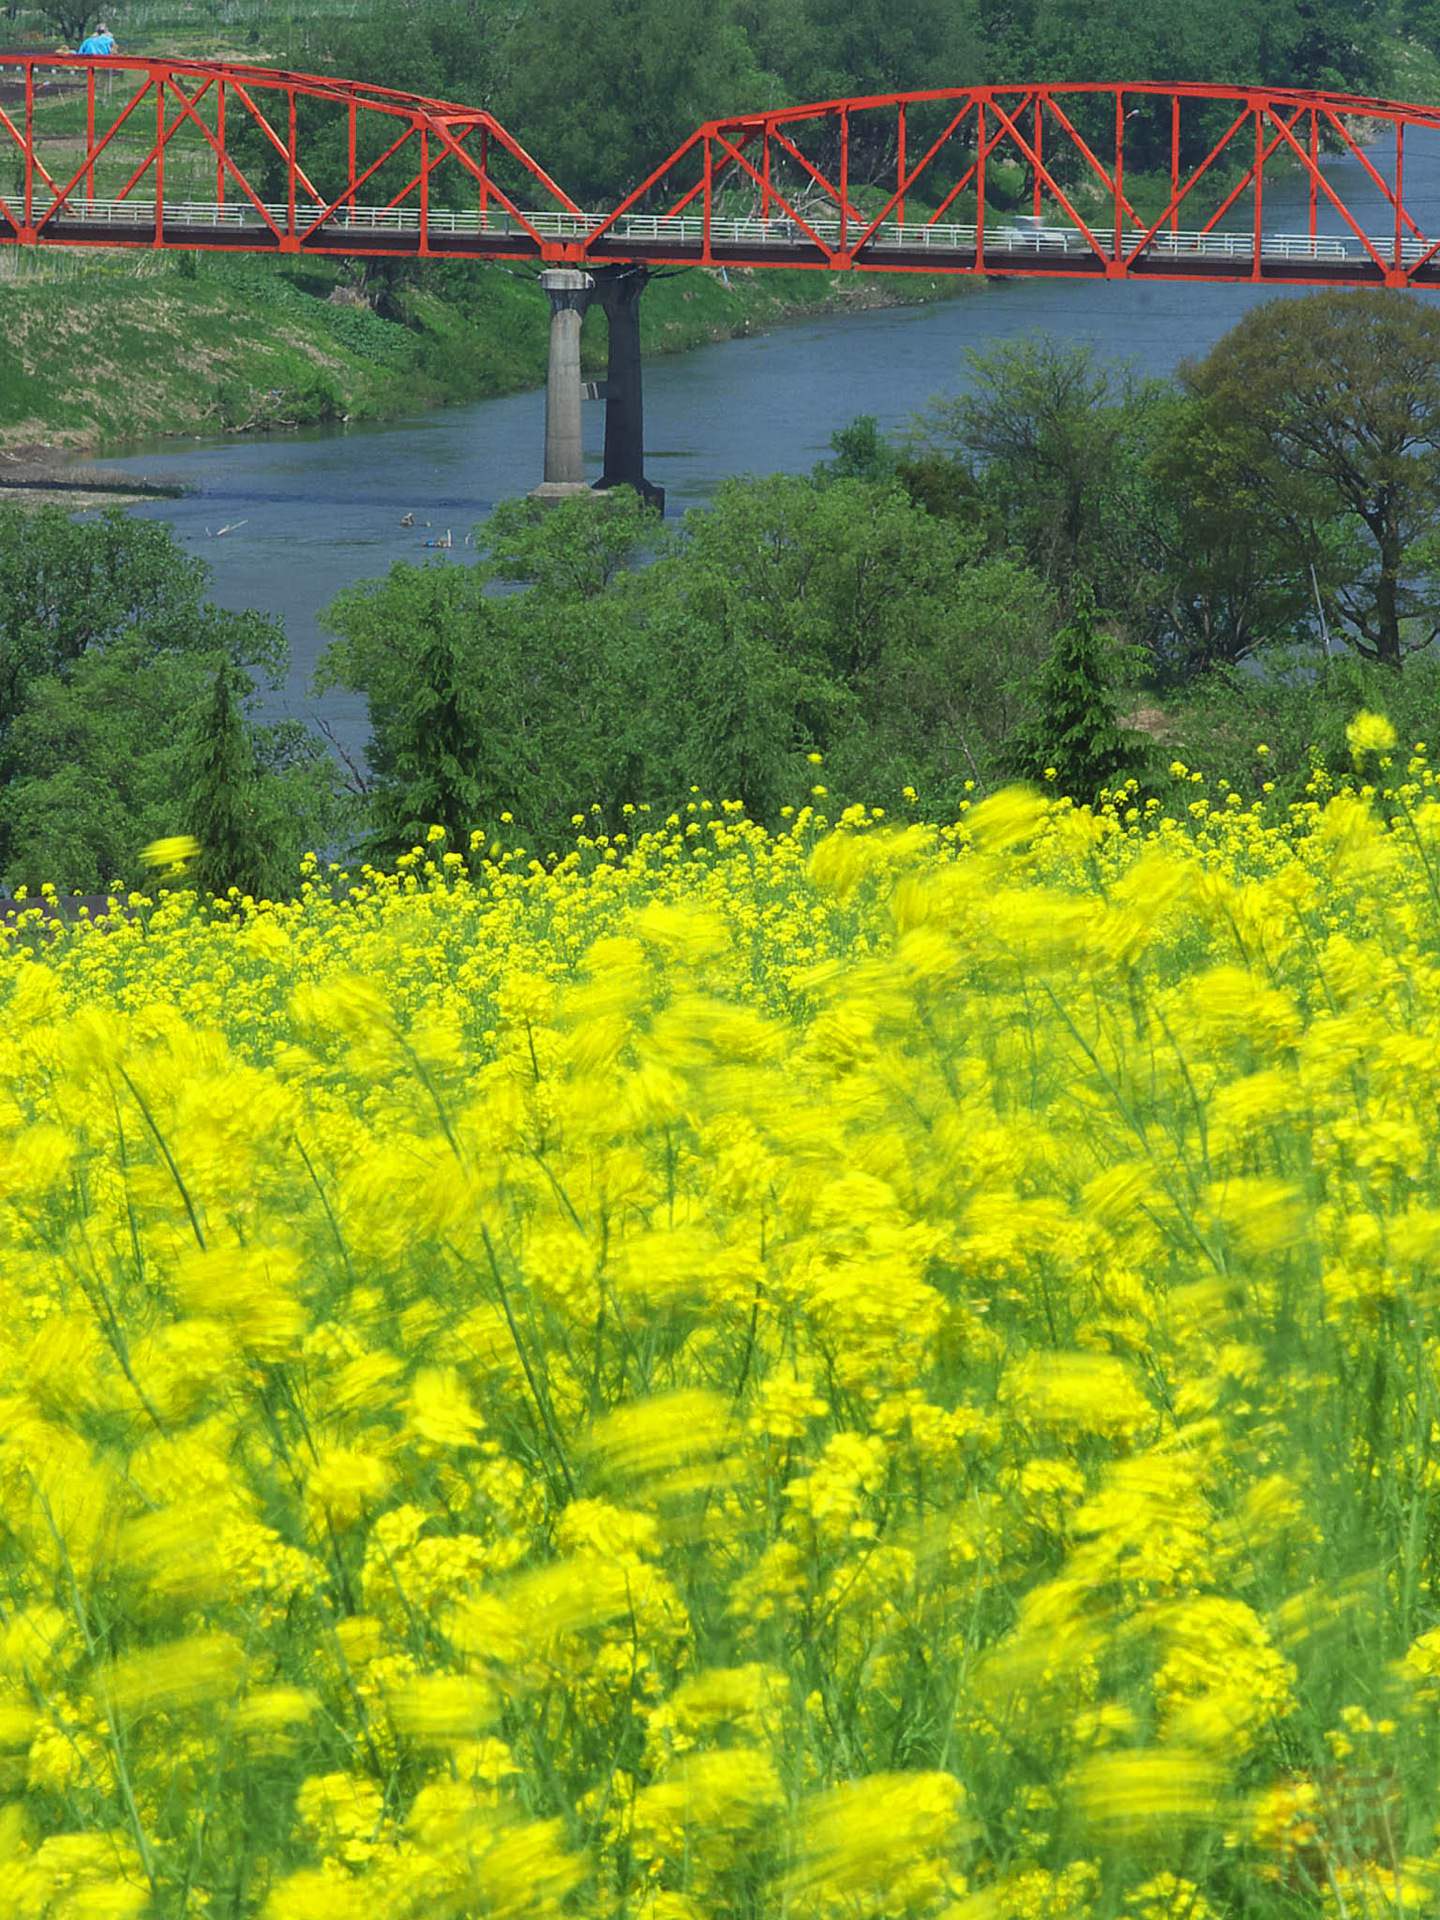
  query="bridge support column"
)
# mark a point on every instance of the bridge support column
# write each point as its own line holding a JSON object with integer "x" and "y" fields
{"x": 618, "y": 289}
{"x": 569, "y": 291}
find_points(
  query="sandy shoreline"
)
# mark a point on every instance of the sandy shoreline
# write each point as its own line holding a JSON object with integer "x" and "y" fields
{"x": 37, "y": 476}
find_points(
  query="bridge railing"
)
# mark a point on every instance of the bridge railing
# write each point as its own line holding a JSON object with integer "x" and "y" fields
{"x": 686, "y": 234}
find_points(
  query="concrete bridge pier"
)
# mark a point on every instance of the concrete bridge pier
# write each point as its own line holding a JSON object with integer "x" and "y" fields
{"x": 618, "y": 289}
{"x": 569, "y": 292}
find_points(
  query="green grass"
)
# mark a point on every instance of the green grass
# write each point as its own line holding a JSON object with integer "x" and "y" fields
{"x": 104, "y": 356}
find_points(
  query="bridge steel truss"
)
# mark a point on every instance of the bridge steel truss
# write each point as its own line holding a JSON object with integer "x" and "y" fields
{"x": 195, "y": 154}
{"x": 1023, "y": 179}
{"x": 843, "y": 179}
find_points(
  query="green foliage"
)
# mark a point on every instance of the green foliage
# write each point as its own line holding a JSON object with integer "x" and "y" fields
{"x": 1049, "y": 436}
{"x": 604, "y": 93}
{"x": 600, "y": 95}
{"x": 1287, "y": 488}
{"x": 1296, "y": 706}
{"x": 67, "y": 589}
{"x": 861, "y": 453}
{"x": 424, "y": 46}
{"x": 220, "y": 805}
{"x": 70, "y": 19}
{"x": 1220, "y": 578}
{"x": 482, "y": 704}
{"x": 576, "y": 547}
{"x": 837, "y": 617}
{"x": 107, "y": 646}
{"x": 823, "y": 49}
{"x": 941, "y": 484}
{"x": 1326, "y": 413}
{"x": 941, "y": 702}
{"x": 1071, "y": 732}
{"x": 435, "y": 746}
{"x": 794, "y": 616}
{"x": 255, "y": 798}
{"x": 94, "y": 767}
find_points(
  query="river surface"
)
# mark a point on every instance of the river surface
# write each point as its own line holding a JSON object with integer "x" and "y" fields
{"x": 322, "y": 509}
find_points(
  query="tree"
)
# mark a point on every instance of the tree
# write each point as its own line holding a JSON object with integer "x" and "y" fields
{"x": 444, "y": 49}
{"x": 825, "y": 49}
{"x": 68, "y": 588}
{"x": 1048, "y": 434}
{"x": 834, "y": 615}
{"x": 70, "y": 18}
{"x": 1221, "y": 581}
{"x": 1071, "y": 732}
{"x": 731, "y": 710}
{"x": 861, "y": 453}
{"x": 834, "y": 574}
{"x": 575, "y": 548}
{"x": 481, "y": 704}
{"x": 435, "y": 749}
{"x": 102, "y": 764}
{"x": 1326, "y": 411}
{"x": 943, "y": 698}
{"x": 793, "y": 615}
{"x": 107, "y": 644}
{"x": 603, "y": 93}
{"x": 222, "y": 804}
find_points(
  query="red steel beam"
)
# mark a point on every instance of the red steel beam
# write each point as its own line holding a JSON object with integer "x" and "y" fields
{"x": 981, "y": 124}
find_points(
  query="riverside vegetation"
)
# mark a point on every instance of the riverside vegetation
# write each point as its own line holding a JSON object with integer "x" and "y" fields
{"x": 1065, "y": 571}
{"x": 263, "y": 344}
{"x": 269, "y": 349}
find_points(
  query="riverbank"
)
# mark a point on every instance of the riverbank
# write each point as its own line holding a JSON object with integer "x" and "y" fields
{"x": 31, "y": 476}
{"x": 93, "y": 360}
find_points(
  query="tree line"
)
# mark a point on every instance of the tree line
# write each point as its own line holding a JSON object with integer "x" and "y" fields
{"x": 1062, "y": 572}
{"x": 601, "y": 94}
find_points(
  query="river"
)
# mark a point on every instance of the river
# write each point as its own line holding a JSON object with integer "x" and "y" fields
{"x": 323, "y": 509}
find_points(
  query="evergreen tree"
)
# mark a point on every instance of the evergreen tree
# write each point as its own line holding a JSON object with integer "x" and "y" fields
{"x": 223, "y": 791}
{"x": 1072, "y": 721}
{"x": 434, "y": 746}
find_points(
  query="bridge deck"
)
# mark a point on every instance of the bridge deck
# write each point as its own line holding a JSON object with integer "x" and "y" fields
{"x": 784, "y": 242}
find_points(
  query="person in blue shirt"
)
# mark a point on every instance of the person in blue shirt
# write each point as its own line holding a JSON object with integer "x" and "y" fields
{"x": 101, "y": 41}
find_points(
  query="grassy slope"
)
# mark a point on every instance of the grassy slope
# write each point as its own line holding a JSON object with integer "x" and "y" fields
{"x": 108, "y": 356}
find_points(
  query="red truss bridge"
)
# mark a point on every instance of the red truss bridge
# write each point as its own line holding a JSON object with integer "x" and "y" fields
{"x": 1034, "y": 179}
{"x": 149, "y": 153}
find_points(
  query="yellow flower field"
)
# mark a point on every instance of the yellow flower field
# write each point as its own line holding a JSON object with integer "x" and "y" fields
{"x": 874, "y": 1373}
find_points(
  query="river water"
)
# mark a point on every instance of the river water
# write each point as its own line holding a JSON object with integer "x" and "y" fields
{"x": 323, "y": 509}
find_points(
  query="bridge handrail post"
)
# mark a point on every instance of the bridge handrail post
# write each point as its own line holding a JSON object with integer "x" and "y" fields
{"x": 1399, "y": 189}
{"x": 90, "y": 134}
{"x": 844, "y": 171}
{"x": 160, "y": 156}
{"x": 292, "y": 161}
{"x": 29, "y": 145}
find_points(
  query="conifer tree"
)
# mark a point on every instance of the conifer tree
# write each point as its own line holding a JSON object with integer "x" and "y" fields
{"x": 434, "y": 764}
{"x": 224, "y": 791}
{"x": 1072, "y": 719}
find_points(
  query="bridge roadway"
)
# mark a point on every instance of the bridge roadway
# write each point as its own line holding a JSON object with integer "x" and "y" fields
{"x": 1023, "y": 246}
